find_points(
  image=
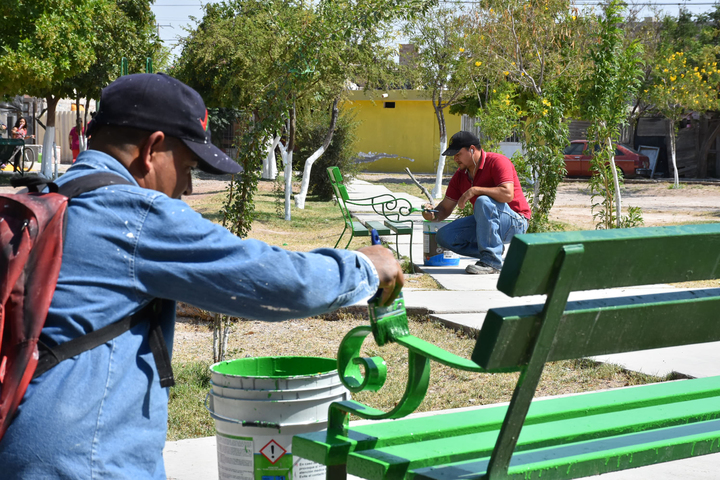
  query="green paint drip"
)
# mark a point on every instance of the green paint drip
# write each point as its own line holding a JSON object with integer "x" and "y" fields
{"x": 276, "y": 367}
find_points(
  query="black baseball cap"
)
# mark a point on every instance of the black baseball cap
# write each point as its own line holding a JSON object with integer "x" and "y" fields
{"x": 459, "y": 141}
{"x": 158, "y": 102}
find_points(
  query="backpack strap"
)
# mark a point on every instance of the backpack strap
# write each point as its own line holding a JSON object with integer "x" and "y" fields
{"x": 49, "y": 357}
{"x": 72, "y": 188}
{"x": 87, "y": 183}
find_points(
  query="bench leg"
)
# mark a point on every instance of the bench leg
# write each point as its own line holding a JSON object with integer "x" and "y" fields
{"x": 336, "y": 472}
{"x": 352, "y": 234}
{"x": 340, "y": 237}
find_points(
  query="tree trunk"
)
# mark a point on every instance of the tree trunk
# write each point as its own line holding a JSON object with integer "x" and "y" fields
{"x": 616, "y": 180}
{"x": 536, "y": 190}
{"x": 288, "y": 164}
{"x": 437, "y": 190}
{"x": 83, "y": 137}
{"x": 49, "y": 140}
{"x": 269, "y": 171}
{"x": 300, "y": 197}
{"x": 671, "y": 136}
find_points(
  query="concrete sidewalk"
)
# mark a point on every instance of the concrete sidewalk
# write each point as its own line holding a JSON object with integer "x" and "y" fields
{"x": 463, "y": 305}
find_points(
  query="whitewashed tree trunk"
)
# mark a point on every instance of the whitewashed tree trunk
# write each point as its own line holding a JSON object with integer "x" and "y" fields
{"x": 305, "y": 185}
{"x": 269, "y": 171}
{"x": 47, "y": 152}
{"x": 300, "y": 197}
{"x": 671, "y": 136}
{"x": 288, "y": 162}
{"x": 288, "y": 184}
{"x": 437, "y": 190}
{"x": 616, "y": 181}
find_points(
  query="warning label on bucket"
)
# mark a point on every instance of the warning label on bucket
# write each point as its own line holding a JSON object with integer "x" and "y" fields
{"x": 273, "y": 451}
{"x": 235, "y": 457}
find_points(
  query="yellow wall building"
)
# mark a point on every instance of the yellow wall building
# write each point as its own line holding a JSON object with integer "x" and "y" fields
{"x": 398, "y": 131}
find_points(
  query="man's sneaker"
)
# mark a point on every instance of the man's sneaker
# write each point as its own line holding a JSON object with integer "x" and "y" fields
{"x": 481, "y": 268}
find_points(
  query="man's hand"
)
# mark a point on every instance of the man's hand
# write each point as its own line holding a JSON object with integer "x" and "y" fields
{"x": 389, "y": 271}
{"x": 428, "y": 215}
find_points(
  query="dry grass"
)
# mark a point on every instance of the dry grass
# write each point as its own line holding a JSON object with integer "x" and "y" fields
{"x": 449, "y": 388}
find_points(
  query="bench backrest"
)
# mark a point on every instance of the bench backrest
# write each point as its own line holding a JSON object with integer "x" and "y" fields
{"x": 614, "y": 258}
{"x": 610, "y": 258}
{"x": 555, "y": 264}
{"x": 340, "y": 191}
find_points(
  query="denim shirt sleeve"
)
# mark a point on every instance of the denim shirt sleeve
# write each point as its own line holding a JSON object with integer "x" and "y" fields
{"x": 179, "y": 255}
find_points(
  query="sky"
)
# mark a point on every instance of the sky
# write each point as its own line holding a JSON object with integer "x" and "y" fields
{"x": 173, "y": 15}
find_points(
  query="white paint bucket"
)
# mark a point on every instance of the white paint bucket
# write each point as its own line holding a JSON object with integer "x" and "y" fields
{"x": 434, "y": 254}
{"x": 259, "y": 404}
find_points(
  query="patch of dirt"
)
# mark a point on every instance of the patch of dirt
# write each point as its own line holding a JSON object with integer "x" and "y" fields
{"x": 660, "y": 204}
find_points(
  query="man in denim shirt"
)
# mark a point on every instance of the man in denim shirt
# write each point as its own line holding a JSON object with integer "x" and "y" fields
{"x": 103, "y": 413}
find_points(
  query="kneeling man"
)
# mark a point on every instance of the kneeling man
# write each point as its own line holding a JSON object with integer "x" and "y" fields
{"x": 489, "y": 181}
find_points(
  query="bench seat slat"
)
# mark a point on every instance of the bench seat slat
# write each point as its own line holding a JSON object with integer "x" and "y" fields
{"x": 592, "y": 457}
{"x": 399, "y": 227}
{"x": 325, "y": 448}
{"x": 359, "y": 229}
{"x": 597, "y": 327}
{"x": 392, "y": 462}
{"x": 381, "y": 229}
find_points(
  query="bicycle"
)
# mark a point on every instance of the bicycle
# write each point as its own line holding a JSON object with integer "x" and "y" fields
{"x": 13, "y": 151}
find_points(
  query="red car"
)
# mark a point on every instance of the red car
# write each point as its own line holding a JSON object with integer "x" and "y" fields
{"x": 632, "y": 163}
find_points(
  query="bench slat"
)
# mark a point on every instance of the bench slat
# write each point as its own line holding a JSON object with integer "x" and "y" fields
{"x": 399, "y": 227}
{"x": 653, "y": 255}
{"x": 392, "y": 462}
{"x": 593, "y": 457}
{"x": 359, "y": 229}
{"x": 598, "y": 327}
{"x": 381, "y": 229}
{"x": 326, "y": 448}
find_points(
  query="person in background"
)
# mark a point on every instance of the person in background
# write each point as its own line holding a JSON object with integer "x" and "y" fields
{"x": 19, "y": 131}
{"x": 489, "y": 181}
{"x": 74, "y": 142}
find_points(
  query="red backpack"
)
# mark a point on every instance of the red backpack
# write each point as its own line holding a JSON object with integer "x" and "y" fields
{"x": 31, "y": 238}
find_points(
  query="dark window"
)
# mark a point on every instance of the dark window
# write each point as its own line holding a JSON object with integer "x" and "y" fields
{"x": 389, "y": 104}
{"x": 574, "y": 149}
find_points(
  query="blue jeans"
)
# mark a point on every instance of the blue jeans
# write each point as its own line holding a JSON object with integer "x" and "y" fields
{"x": 484, "y": 234}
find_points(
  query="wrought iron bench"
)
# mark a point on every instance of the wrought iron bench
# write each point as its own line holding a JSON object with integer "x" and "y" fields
{"x": 561, "y": 437}
{"x": 394, "y": 210}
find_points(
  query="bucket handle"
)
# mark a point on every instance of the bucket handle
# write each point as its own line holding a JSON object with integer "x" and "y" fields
{"x": 244, "y": 423}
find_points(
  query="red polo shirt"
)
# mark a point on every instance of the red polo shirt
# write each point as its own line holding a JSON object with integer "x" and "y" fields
{"x": 494, "y": 170}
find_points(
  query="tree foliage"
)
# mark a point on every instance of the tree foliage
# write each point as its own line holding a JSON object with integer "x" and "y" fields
{"x": 45, "y": 42}
{"x": 535, "y": 45}
{"x": 440, "y": 67}
{"x": 684, "y": 83}
{"x": 266, "y": 56}
{"x": 607, "y": 91}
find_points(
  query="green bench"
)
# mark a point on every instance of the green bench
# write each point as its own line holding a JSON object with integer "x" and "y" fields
{"x": 394, "y": 210}
{"x": 557, "y": 437}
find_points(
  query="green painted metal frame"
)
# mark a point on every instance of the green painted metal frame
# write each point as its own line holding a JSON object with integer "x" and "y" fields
{"x": 525, "y": 338}
{"x": 395, "y": 210}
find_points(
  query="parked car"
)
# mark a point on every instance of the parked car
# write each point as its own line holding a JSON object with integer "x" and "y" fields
{"x": 631, "y": 162}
